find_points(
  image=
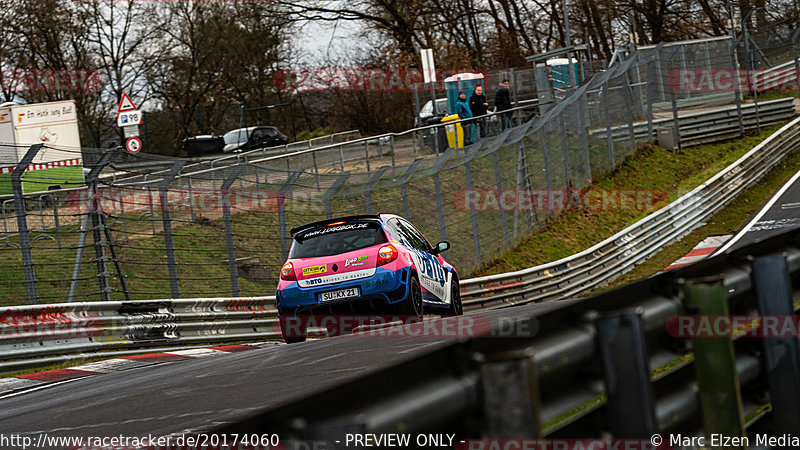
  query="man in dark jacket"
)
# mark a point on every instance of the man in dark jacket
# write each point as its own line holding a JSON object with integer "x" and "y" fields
{"x": 478, "y": 105}
{"x": 502, "y": 102}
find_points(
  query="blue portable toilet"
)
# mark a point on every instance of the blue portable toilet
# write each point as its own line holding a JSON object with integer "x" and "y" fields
{"x": 559, "y": 67}
{"x": 468, "y": 81}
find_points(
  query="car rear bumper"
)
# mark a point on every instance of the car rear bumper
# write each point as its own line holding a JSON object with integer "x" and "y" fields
{"x": 378, "y": 292}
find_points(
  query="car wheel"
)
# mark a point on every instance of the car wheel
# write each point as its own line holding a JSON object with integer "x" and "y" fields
{"x": 413, "y": 304}
{"x": 290, "y": 330}
{"x": 456, "y": 308}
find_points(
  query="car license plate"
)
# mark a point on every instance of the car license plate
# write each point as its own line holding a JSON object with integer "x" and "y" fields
{"x": 338, "y": 295}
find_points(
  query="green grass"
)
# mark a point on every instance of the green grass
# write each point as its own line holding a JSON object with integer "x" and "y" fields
{"x": 651, "y": 168}
{"x": 39, "y": 180}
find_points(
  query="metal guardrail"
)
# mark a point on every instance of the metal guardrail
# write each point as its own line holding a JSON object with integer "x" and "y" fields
{"x": 608, "y": 366}
{"x": 618, "y": 254}
{"x": 94, "y": 327}
{"x": 712, "y": 126}
{"x": 61, "y": 329}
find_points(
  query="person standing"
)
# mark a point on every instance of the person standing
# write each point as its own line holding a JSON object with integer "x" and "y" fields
{"x": 502, "y": 102}
{"x": 479, "y": 106}
{"x": 463, "y": 111}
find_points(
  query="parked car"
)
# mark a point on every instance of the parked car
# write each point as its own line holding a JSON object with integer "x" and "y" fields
{"x": 203, "y": 145}
{"x": 374, "y": 264}
{"x": 426, "y": 112}
{"x": 251, "y": 138}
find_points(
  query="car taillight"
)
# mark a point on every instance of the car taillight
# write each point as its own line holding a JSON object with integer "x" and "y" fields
{"x": 287, "y": 272}
{"x": 386, "y": 254}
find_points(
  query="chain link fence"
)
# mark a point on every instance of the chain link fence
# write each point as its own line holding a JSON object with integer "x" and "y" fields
{"x": 189, "y": 228}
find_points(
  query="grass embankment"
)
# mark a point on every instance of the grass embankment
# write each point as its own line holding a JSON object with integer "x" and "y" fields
{"x": 651, "y": 168}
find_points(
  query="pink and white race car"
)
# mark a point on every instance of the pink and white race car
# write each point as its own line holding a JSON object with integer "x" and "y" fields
{"x": 368, "y": 264}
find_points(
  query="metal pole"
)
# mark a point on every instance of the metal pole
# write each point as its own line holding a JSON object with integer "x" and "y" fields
{"x": 474, "y": 216}
{"x": 609, "y": 137}
{"x": 97, "y": 224}
{"x": 499, "y": 181}
{"x": 233, "y": 267}
{"x": 78, "y": 259}
{"x": 734, "y": 66}
{"x": 22, "y": 223}
{"x": 166, "y": 222}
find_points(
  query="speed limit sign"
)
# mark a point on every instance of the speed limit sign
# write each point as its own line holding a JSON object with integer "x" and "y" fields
{"x": 133, "y": 145}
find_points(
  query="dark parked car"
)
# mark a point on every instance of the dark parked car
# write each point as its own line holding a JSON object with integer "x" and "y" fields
{"x": 203, "y": 145}
{"x": 252, "y": 138}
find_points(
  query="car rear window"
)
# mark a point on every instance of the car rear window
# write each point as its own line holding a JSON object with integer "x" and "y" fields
{"x": 337, "y": 239}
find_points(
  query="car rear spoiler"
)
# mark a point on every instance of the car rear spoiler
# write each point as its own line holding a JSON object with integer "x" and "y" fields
{"x": 323, "y": 223}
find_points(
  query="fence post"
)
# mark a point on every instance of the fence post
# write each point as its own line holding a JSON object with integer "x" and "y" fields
{"x": 22, "y": 223}
{"x": 472, "y": 213}
{"x": 233, "y": 267}
{"x": 649, "y": 94}
{"x": 715, "y": 363}
{"x": 674, "y": 102}
{"x": 626, "y": 93}
{"x": 166, "y": 223}
{"x": 774, "y": 293}
{"x": 734, "y": 66}
{"x": 796, "y": 60}
{"x": 286, "y": 188}
{"x": 370, "y": 184}
{"x": 631, "y": 404}
{"x": 94, "y": 214}
{"x": 499, "y": 181}
{"x": 548, "y": 177}
{"x": 331, "y": 192}
{"x": 565, "y": 148}
{"x": 404, "y": 186}
{"x": 587, "y": 159}
{"x": 609, "y": 131}
{"x": 73, "y": 285}
{"x": 437, "y": 184}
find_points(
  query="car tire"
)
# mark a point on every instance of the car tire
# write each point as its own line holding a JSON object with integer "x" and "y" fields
{"x": 456, "y": 307}
{"x": 290, "y": 339}
{"x": 413, "y": 304}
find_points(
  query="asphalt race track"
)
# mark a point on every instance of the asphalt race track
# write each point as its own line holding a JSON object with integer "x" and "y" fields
{"x": 194, "y": 396}
{"x": 780, "y": 214}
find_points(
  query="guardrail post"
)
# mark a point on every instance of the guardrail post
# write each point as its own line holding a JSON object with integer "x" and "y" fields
{"x": 97, "y": 223}
{"x": 499, "y": 181}
{"x": 22, "y": 223}
{"x": 370, "y": 184}
{"x": 282, "y": 194}
{"x": 774, "y": 293}
{"x": 331, "y": 192}
{"x": 166, "y": 222}
{"x": 233, "y": 267}
{"x": 511, "y": 400}
{"x": 715, "y": 362}
{"x": 630, "y": 400}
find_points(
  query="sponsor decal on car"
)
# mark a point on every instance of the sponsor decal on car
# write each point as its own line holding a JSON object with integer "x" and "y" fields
{"x": 336, "y": 278}
{"x": 357, "y": 261}
{"x": 346, "y": 227}
{"x": 314, "y": 270}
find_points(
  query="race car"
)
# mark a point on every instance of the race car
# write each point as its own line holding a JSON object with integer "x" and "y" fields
{"x": 368, "y": 264}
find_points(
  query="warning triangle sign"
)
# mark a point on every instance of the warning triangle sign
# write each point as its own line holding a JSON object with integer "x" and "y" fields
{"x": 126, "y": 104}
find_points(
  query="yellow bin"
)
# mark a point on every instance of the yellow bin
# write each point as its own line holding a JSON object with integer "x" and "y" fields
{"x": 455, "y": 134}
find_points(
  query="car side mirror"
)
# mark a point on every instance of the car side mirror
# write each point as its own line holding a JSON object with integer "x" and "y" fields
{"x": 441, "y": 247}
